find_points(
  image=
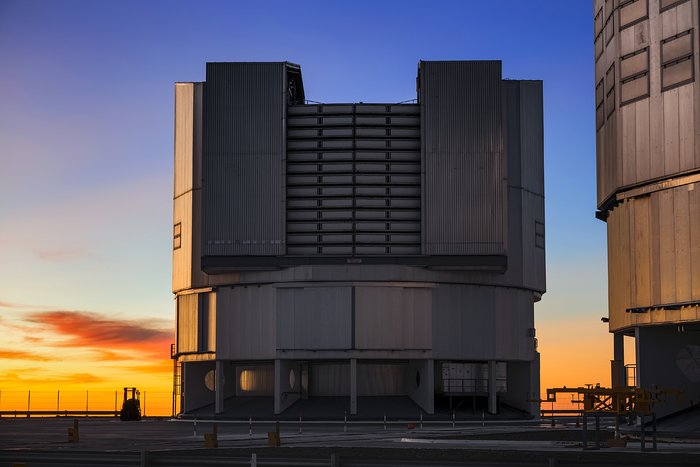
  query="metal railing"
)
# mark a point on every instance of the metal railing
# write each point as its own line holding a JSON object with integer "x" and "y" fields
{"x": 469, "y": 385}
{"x": 78, "y": 403}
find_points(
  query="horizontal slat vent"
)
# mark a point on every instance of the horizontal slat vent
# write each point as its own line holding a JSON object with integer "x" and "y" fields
{"x": 353, "y": 179}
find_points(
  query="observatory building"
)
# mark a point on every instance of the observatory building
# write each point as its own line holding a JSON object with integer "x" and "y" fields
{"x": 348, "y": 253}
{"x": 648, "y": 160}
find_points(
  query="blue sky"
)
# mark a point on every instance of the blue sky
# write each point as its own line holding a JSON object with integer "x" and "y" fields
{"x": 86, "y": 127}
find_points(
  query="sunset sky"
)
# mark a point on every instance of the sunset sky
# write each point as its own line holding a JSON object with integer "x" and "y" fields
{"x": 86, "y": 145}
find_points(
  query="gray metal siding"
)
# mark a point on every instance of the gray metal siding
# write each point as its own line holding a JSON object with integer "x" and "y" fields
{"x": 531, "y": 136}
{"x": 314, "y": 318}
{"x": 244, "y": 152}
{"x": 382, "y": 379}
{"x": 329, "y": 379}
{"x": 525, "y": 153}
{"x": 531, "y": 184}
{"x": 245, "y": 322}
{"x": 393, "y": 318}
{"x": 482, "y": 323}
{"x": 464, "y": 187}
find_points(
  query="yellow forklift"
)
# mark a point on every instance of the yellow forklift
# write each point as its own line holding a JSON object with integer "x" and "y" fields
{"x": 131, "y": 407}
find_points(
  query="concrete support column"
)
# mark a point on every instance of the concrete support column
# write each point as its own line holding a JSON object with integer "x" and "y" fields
{"x": 287, "y": 384}
{"x": 535, "y": 386}
{"x": 638, "y": 357}
{"x": 617, "y": 365}
{"x": 492, "y": 387}
{"x": 219, "y": 387}
{"x": 421, "y": 384}
{"x": 353, "y": 386}
{"x": 183, "y": 388}
{"x": 278, "y": 387}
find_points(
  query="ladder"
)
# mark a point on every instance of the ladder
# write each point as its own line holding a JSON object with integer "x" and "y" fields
{"x": 177, "y": 379}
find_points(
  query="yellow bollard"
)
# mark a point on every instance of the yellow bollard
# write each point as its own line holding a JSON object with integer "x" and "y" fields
{"x": 273, "y": 437}
{"x": 74, "y": 433}
{"x": 211, "y": 439}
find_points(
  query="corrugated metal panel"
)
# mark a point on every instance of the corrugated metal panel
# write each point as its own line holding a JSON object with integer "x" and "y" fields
{"x": 187, "y": 323}
{"x": 533, "y": 233}
{"x": 531, "y": 139}
{"x": 245, "y": 319}
{"x": 184, "y": 137}
{"x": 207, "y": 322}
{"x": 244, "y": 152}
{"x": 255, "y": 380}
{"x": 314, "y": 318}
{"x": 187, "y": 187}
{"x": 463, "y": 158}
{"x": 393, "y": 318}
{"x": 654, "y": 255}
{"x": 182, "y": 242}
{"x": 482, "y": 323}
{"x": 382, "y": 379}
{"x": 650, "y": 137}
{"x": 353, "y": 179}
{"x": 329, "y": 379}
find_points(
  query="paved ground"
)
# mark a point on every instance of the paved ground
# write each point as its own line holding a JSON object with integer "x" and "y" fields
{"x": 165, "y": 442}
{"x": 324, "y": 408}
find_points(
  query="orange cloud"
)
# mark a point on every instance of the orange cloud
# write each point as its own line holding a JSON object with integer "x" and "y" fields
{"x": 4, "y": 304}
{"x": 22, "y": 355}
{"x": 93, "y": 331}
{"x": 73, "y": 378}
{"x": 161, "y": 366}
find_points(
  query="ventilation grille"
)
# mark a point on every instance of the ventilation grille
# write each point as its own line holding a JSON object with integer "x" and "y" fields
{"x": 353, "y": 179}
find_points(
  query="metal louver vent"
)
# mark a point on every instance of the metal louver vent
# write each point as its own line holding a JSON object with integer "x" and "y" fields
{"x": 353, "y": 179}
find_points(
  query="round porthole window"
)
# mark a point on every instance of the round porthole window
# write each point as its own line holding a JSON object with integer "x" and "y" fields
{"x": 417, "y": 379}
{"x": 210, "y": 380}
{"x": 292, "y": 379}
